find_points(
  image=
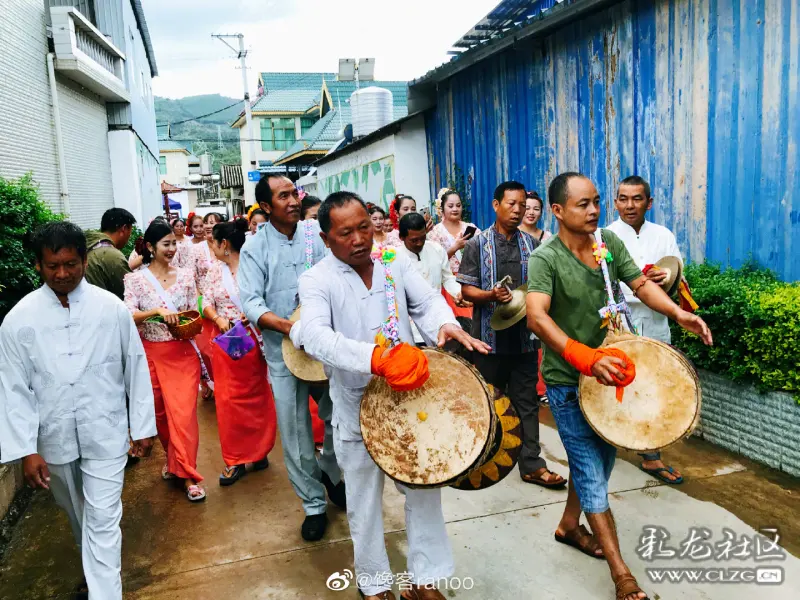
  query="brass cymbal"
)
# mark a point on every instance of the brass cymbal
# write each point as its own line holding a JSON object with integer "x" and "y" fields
{"x": 510, "y": 313}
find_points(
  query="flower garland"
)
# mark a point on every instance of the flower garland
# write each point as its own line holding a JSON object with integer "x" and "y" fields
{"x": 390, "y": 330}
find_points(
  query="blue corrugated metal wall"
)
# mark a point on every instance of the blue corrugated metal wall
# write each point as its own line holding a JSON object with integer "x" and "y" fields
{"x": 698, "y": 96}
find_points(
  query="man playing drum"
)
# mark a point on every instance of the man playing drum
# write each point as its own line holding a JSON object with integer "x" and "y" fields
{"x": 566, "y": 289}
{"x": 647, "y": 243}
{"x": 350, "y": 300}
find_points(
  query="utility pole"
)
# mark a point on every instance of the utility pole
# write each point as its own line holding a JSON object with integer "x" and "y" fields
{"x": 250, "y": 165}
{"x": 219, "y": 138}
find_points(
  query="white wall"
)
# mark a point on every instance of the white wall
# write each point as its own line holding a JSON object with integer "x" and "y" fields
{"x": 411, "y": 162}
{"x": 126, "y": 183}
{"x": 395, "y": 164}
{"x": 177, "y": 168}
{"x": 27, "y": 142}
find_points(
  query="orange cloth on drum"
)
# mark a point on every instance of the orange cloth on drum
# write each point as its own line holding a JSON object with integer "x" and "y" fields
{"x": 583, "y": 358}
{"x": 245, "y": 406}
{"x": 175, "y": 375}
{"x": 405, "y": 367}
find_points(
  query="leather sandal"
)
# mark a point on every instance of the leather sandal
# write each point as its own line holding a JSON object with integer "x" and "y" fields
{"x": 385, "y": 595}
{"x": 422, "y": 593}
{"x": 166, "y": 475}
{"x": 626, "y": 585}
{"x": 537, "y": 479}
{"x": 581, "y": 539}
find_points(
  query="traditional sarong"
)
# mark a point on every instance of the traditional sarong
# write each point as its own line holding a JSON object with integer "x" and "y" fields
{"x": 457, "y": 310}
{"x": 175, "y": 374}
{"x": 245, "y": 405}
{"x": 317, "y": 424}
{"x": 204, "y": 344}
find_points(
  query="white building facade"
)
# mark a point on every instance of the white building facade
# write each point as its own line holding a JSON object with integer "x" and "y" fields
{"x": 392, "y": 160}
{"x": 76, "y": 105}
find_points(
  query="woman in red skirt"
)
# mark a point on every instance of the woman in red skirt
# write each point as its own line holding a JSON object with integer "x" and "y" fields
{"x": 245, "y": 407}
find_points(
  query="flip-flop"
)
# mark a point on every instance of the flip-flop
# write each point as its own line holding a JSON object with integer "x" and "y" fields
{"x": 166, "y": 475}
{"x": 657, "y": 473}
{"x": 232, "y": 474}
{"x": 562, "y": 539}
{"x": 193, "y": 496}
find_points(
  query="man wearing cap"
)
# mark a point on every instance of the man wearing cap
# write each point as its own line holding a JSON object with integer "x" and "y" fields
{"x": 647, "y": 244}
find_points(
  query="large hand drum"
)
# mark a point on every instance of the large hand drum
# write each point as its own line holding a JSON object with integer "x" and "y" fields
{"x": 439, "y": 434}
{"x": 300, "y": 364}
{"x": 660, "y": 407}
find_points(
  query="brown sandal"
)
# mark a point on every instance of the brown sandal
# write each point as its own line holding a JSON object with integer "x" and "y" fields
{"x": 537, "y": 479}
{"x": 583, "y": 541}
{"x": 626, "y": 585}
{"x": 421, "y": 593}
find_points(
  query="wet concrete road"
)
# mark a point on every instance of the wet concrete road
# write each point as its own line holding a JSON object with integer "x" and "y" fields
{"x": 244, "y": 542}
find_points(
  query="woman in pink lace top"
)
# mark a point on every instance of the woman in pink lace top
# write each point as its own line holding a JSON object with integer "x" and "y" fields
{"x": 450, "y": 235}
{"x": 163, "y": 290}
{"x": 245, "y": 406}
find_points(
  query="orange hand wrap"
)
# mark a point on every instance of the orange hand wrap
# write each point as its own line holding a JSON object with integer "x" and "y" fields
{"x": 405, "y": 367}
{"x": 584, "y": 358}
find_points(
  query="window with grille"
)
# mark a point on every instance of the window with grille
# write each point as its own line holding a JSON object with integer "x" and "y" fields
{"x": 277, "y": 134}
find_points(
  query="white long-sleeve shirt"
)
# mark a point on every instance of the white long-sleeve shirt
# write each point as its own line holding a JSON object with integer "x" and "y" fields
{"x": 434, "y": 266}
{"x": 341, "y": 318}
{"x": 65, "y": 374}
{"x": 651, "y": 244}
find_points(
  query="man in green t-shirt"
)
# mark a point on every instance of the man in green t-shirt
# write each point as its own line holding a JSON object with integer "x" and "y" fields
{"x": 566, "y": 290}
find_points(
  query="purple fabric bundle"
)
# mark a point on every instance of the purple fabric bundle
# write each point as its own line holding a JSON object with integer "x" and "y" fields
{"x": 236, "y": 342}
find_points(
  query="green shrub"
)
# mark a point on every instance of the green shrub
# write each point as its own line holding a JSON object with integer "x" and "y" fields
{"x": 136, "y": 233}
{"x": 21, "y": 214}
{"x": 755, "y": 321}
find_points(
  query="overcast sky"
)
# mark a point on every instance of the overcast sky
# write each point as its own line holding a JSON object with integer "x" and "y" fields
{"x": 407, "y": 38}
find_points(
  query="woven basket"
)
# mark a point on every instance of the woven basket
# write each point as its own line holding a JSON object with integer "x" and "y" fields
{"x": 188, "y": 330}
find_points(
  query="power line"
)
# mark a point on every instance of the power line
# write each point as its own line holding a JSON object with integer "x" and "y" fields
{"x": 237, "y": 103}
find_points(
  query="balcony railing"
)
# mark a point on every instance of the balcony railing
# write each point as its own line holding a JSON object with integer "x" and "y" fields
{"x": 86, "y": 56}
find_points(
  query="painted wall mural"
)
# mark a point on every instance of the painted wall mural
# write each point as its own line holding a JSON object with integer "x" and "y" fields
{"x": 373, "y": 181}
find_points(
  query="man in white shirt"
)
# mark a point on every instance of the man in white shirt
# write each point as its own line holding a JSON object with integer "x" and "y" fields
{"x": 344, "y": 307}
{"x": 429, "y": 259}
{"x": 69, "y": 355}
{"x": 647, "y": 243}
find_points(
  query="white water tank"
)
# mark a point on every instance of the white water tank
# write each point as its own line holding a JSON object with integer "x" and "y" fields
{"x": 373, "y": 107}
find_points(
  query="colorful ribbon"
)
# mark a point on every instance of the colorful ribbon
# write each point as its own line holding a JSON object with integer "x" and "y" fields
{"x": 389, "y": 335}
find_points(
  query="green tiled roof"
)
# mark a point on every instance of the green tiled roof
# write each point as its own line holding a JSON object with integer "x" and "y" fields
{"x": 342, "y": 90}
{"x": 326, "y": 132}
{"x": 290, "y": 92}
{"x": 166, "y": 145}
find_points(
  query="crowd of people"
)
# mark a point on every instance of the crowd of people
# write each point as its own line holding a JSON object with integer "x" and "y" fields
{"x": 107, "y": 355}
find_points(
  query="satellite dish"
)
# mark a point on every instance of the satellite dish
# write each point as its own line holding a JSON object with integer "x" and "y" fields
{"x": 348, "y": 132}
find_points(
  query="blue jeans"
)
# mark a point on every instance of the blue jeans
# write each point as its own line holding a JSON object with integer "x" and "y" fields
{"x": 591, "y": 459}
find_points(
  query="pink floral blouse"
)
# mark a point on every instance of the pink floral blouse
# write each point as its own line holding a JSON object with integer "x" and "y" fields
{"x": 201, "y": 261}
{"x": 141, "y": 296}
{"x": 216, "y": 296}
{"x": 183, "y": 257}
{"x": 440, "y": 235}
{"x": 393, "y": 238}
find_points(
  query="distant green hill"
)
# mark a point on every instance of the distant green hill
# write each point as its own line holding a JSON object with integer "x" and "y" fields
{"x": 201, "y": 135}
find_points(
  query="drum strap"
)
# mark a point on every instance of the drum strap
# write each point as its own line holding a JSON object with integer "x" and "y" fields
{"x": 615, "y": 312}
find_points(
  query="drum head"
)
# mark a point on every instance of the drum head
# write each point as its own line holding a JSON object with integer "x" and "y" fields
{"x": 432, "y": 435}
{"x": 300, "y": 364}
{"x": 505, "y": 451}
{"x": 659, "y": 408}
